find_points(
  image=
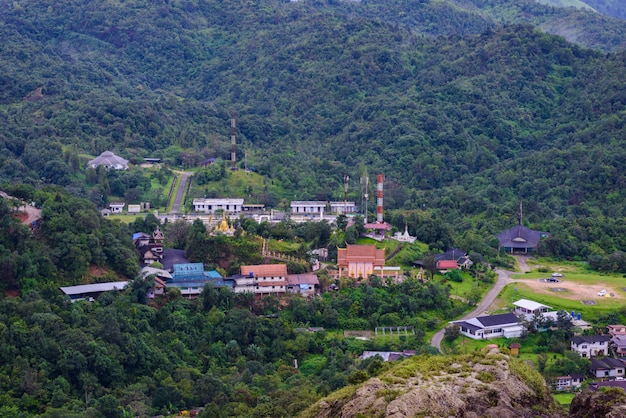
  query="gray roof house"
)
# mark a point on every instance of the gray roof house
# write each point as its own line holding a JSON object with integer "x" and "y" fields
{"x": 491, "y": 326}
{"x": 520, "y": 239}
{"x": 108, "y": 160}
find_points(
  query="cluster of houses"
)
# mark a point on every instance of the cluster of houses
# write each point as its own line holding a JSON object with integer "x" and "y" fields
{"x": 191, "y": 278}
{"x": 513, "y": 324}
{"x": 597, "y": 348}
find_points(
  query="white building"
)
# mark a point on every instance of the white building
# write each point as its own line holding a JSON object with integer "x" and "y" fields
{"x": 591, "y": 345}
{"x": 212, "y": 205}
{"x": 342, "y": 207}
{"x": 262, "y": 279}
{"x": 528, "y": 308}
{"x": 303, "y": 207}
{"x": 491, "y": 326}
{"x": 117, "y": 207}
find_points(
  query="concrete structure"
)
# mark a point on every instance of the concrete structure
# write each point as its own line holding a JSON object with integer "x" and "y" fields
{"x": 308, "y": 207}
{"x": 342, "y": 207}
{"x": 212, "y": 205}
{"x": 108, "y": 160}
{"x": 134, "y": 209}
{"x": 404, "y": 237}
{"x": 360, "y": 261}
{"x": 491, "y": 326}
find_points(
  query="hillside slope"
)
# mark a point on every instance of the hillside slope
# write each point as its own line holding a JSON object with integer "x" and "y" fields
{"x": 475, "y": 385}
{"x": 319, "y": 91}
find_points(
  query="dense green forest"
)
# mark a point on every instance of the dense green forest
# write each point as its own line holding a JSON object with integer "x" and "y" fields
{"x": 463, "y": 115}
{"x": 325, "y": 81}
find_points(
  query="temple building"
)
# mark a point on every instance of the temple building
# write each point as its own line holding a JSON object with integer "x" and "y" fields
{"x": 360, "y": 261}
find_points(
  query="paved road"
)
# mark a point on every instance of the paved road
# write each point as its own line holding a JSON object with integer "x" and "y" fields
{"x": 180, "y": 192}
{"x": 504, "y": 278}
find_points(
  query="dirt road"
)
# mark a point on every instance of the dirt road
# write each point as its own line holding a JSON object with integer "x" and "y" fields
{"x": 504, "y": 278}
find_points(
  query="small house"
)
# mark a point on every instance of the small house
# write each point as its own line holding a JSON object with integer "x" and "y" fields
{"x": 569, "y": 382}
{"x": 491, "y": 326}
{"x": 117, "y": 207}
{"x": 591, "y": 345}
{"x": 607, "y": 368}
{"x": 528, "y": 308}
{"x": 615, "y": 330}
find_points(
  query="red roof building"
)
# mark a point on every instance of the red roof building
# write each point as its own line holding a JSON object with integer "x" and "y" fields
{"x": 447, "y": 265}
{"x": 360, "y": 261}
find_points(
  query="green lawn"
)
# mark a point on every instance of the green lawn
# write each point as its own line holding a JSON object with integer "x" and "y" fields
{"x": 563, "y": 398}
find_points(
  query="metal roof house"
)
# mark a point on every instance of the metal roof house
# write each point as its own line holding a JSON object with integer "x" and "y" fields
{"x": 91, "y": 291}
{"x": 190, "y": 279}
{"x": 491, "y": 326}
{"x": 108, "y": 160}
{"x": 529, "y": 308}
{"x": 520, "y": 239}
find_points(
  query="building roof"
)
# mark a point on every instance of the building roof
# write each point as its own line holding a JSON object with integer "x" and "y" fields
{"x": 619, "y": 340}
{"x": 377, "y": 225}
{"x": 447, "y": 264}
{"x": 486, "y": 321}
{"x": 613, "y": 384}
{"x": 579, "y": 339}
{"x": 265, "y": 270}
{"x": 93, "y": 288}
{"x": 171, "y": 256}
{"x": 298, "y": 279}
{"x": 469, "y": 326}
{"x": 501, "y": 319}
{"x": 530, "y": 304}
{"x": 520, "y": 237}
{"x": 308, "y": 203}
{"x": 227, "y": 201}
{"x": 388, "y": 355}
{"x": 451, "y": 254}
{"x": 360, "y": 254}
{"x": 147, "y": 271}
{"x": 109, "y": 160}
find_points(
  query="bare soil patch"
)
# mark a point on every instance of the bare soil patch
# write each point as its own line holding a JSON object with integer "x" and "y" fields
{"x": 573, "y": 291}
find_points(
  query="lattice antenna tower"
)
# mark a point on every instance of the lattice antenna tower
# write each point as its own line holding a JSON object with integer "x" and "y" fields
{"x": 233, "y": 141}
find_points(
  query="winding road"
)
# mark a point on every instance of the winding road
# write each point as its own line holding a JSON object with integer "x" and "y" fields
{"x": 504, "y": 278}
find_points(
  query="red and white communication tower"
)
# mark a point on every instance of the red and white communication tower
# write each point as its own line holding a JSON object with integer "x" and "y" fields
{"x": 379, "y": 199}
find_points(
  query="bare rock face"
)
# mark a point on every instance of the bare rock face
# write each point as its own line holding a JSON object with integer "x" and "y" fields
{"x": 606, "y": 403}
{"x": 485, "y": 384}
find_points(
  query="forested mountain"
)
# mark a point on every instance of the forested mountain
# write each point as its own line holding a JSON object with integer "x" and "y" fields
{"x": 495, "y": 113}
{"x": 615, "y": 8}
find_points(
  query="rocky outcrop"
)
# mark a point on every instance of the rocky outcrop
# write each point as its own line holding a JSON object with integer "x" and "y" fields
{"x": 483, "y": 384}
{"x": 605, "y": 403}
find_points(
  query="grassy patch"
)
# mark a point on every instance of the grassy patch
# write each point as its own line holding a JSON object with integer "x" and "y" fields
{"x": 564, "y": 398}
{"x": 519, "y": 290}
